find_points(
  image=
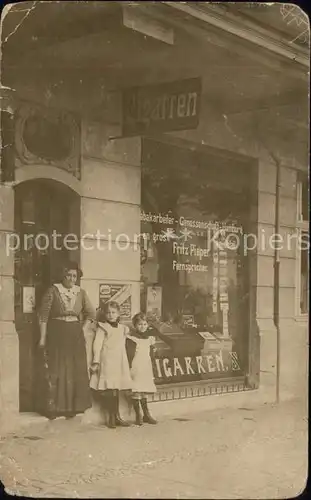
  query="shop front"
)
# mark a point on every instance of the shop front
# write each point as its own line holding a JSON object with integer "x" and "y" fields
{"x": 195, "y": 285}
{"x": 187, "y": 161}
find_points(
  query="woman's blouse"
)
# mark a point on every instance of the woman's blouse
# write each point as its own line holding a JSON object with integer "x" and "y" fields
{"x": 59, "y": 302}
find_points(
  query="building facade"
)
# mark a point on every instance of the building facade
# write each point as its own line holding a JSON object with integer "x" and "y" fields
{"x": 165, "y": 148}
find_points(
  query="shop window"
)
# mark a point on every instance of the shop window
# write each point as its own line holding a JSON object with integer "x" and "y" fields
{"x": 194, "y": 274}
{"x": 303, "y": 198}
{"x": 303, "y": 247}
{"x": 304, "y": 276}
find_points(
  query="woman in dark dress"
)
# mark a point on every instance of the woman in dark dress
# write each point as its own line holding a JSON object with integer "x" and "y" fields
{"x": 64, "y": 309}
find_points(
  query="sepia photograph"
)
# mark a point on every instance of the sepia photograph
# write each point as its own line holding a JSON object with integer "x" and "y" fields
{"x": 154, "y": 249}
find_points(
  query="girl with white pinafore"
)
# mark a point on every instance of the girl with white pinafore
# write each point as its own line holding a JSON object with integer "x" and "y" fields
{"x": 139, "y": 345}
{"x": 110, "y": 371}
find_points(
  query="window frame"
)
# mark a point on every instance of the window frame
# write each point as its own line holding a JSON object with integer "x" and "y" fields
{"x": 301, "y": 227}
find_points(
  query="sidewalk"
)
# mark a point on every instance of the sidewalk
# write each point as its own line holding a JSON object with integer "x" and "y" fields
{"x": 228, "y": 453}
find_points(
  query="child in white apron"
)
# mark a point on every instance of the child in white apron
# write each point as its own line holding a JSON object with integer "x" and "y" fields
{"x": 110, "y": 371}
{"x": 139, "y": 345}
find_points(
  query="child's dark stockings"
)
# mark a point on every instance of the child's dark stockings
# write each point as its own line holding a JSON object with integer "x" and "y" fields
{"x": 114, "y": 420}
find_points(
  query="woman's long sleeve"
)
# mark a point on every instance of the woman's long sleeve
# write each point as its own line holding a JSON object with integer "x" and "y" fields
{"x": 88, "y": 309}
{"x": 46, "y": 304}
{"x": 158, "y": 335}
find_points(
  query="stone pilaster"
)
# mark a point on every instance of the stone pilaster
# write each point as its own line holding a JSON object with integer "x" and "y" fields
{"x": 110, "y": 214}
{"x": 264, "y": 277}
{"x": 9, "y": 352}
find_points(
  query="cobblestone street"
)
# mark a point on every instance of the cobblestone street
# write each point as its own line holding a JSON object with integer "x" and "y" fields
{"x": 240, "y": 453}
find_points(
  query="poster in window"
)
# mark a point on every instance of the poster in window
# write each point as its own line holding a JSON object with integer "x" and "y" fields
{"x": 154, "y": 301}
{"x": 122, "y": 294}
{"x": 29, "y": 299}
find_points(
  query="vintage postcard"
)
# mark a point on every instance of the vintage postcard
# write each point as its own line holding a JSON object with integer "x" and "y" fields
{"x": 154, "y": 249}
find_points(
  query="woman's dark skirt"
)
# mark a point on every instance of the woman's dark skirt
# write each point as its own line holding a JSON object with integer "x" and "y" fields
{"x": 63, "y": 388}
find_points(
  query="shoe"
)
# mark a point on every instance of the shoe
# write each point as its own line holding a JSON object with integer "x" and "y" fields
{"x": 138, "y": 418}
{"x": 120, "y": 422}
{"x": 69, "y": 416}
{"x": 50, "y": 416}
{"x": 147, "y": 418}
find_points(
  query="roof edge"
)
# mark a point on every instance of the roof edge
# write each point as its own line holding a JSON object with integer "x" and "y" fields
{"x": 247, "y": 30}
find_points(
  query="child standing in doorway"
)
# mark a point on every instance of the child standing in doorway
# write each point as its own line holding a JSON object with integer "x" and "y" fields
{"x": 110, "y": 371}
{"x": 139, "y": 345}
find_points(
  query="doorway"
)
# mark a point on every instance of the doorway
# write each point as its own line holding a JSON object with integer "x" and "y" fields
{"x": 45, "y": 212}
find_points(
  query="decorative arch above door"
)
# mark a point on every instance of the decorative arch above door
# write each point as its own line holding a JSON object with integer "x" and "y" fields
{"x": 55, "y": 174}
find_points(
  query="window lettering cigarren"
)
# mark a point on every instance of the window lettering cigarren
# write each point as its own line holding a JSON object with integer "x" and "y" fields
{"x": 211, "y": 363}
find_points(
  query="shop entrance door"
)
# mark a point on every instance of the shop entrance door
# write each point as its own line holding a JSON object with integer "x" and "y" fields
{"x": 43, "y": 208}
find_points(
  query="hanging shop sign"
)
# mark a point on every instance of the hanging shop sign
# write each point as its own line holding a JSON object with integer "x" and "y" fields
{"x": 122, "y": 294}
{"x": 161, "y": 108}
